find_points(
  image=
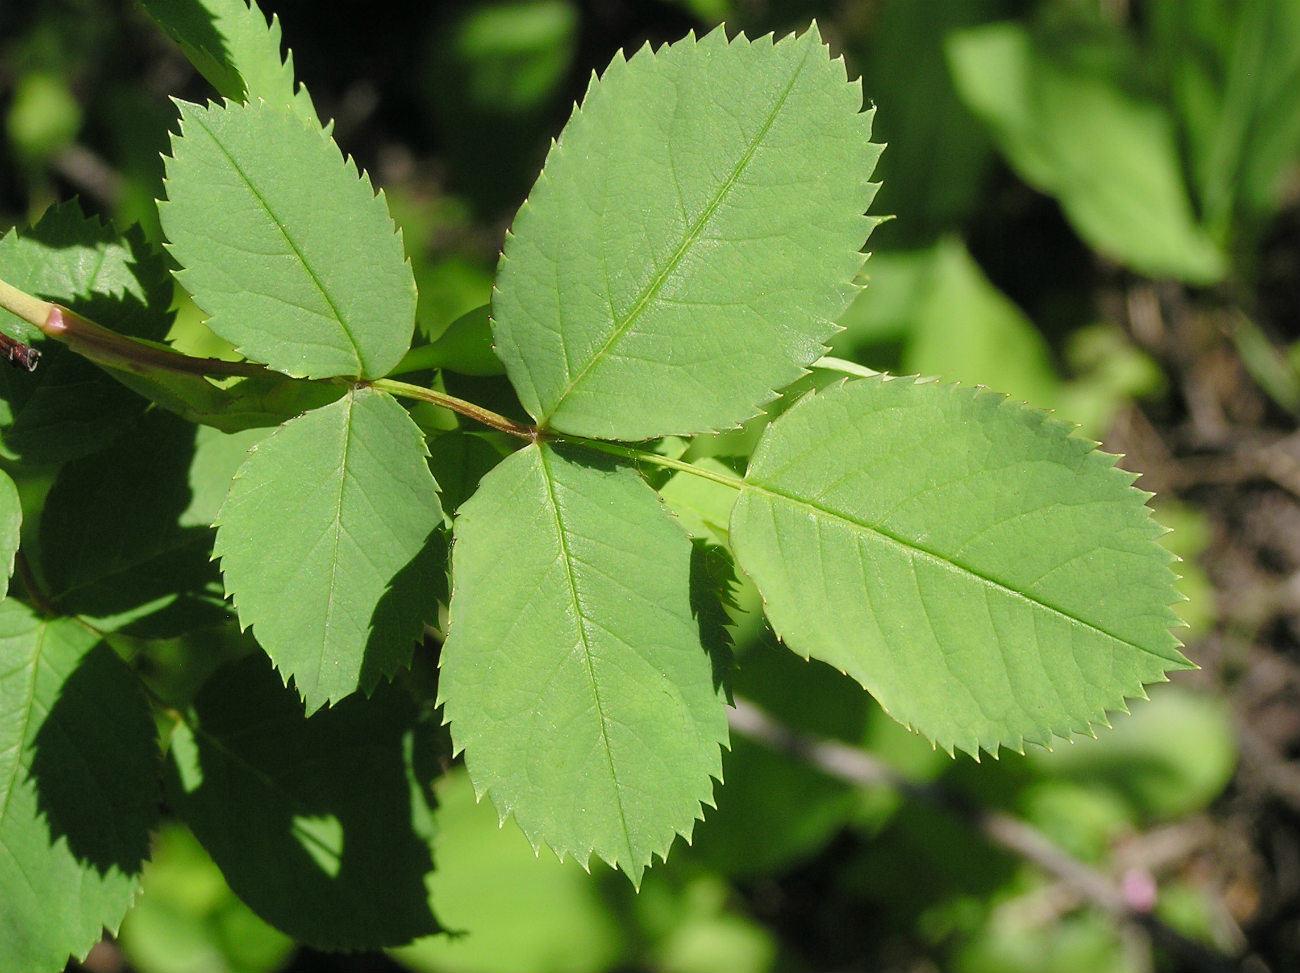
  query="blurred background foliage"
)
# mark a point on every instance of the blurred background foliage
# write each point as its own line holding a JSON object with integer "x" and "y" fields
{"x": 1097, "y": 210}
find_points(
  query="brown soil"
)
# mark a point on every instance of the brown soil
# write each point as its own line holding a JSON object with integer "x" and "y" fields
{"x": 1223, "y": 447}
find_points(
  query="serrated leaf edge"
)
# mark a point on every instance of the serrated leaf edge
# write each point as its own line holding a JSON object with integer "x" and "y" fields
{"x": 536, "y": 838}
{"x": 350, "y": 167}
{"x": 68, "y": 212}
{"x": 619, "y": 62}
{"x": 42, "y": 625}
{"x": 285, "y": 676}
{"x": 1047, "y": 419}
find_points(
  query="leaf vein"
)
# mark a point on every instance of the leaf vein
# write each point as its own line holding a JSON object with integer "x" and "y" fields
{"x": 581, "y": 621}
{"x": 692, "y": 234}
{"x": 911, "y": 547}
{"x": 279, "y": 225}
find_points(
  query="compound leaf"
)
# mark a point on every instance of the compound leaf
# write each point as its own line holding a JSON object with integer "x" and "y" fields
{"x": 78, "y": 789}
{"x": 574, "y": 675}
{"x": 989, "y": 578}
{"x": 691, "y": 240}
{"x": 318, "y": 823}
{"x": 230, "y": 43}
{"x": 323, "y": 544}
{"x": 312, "y": 290}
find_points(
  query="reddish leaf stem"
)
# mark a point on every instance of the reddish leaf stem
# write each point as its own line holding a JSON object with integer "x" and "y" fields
{"x": 112, "y": 350}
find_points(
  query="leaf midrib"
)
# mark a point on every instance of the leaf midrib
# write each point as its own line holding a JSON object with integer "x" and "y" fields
{"x": 315, "y": 278}
{"x": 942, "y": 561}
{"x": 692, "y": 235}
{"x": 580, "y": 618}
{"x": 336, "y": 529}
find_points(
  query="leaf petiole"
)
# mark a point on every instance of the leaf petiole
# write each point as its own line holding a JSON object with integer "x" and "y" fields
{"x": 496, "y": 421}
{"x": 639, "y": 456}
{"x": 460, "y": 406}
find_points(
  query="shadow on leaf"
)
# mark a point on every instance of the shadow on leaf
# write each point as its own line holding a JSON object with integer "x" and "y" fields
{"x": 95, "y": 765}
{"x": 318, "y": 823}
{"x": 397, "y": 623}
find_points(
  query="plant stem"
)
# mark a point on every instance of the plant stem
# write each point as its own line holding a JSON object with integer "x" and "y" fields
{"x": 468, "y": 409}
{"x": 108, "y": 348}
{"x": 31, "y": 309}
{"x": 638, "y": 456}
{"x": 20, "y": 354}
{"x": 112, "y": 350}
{"x": 532, "y": 433}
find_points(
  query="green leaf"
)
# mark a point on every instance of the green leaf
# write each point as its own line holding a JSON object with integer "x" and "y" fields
{"x": 1233, "y": 68}
{"x": 466, "y": 346}
{"x": 78, "y": 789}
{"x": 323, "y": 544}
{"x": 573, "y": 674}
{"x": 684, "y": 252}
{"x": 310, "y": 290}
{"x": 317, "y": 823}
{"x": 1109, "y": 158}
{"x": 140, "y": 562}
{"x": 232, "y": 45}
{"x": 989, "y": 578}
{"x": 11, "y": 520}
{"x": 68, "y": 407}
{"x": 966, "y": 330}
